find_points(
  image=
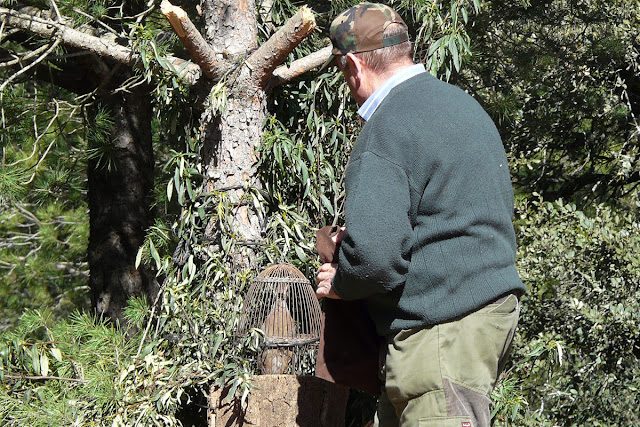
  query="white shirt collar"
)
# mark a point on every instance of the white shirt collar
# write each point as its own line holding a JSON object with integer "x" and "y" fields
{"x": 376, "y": 98}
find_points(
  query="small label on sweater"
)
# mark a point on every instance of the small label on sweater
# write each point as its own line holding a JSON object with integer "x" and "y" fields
{"x": 465, "y": 424}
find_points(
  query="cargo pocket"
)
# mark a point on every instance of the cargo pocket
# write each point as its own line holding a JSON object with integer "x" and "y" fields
{"x": 412, "y": 366}
{"x": 508, "y": 308}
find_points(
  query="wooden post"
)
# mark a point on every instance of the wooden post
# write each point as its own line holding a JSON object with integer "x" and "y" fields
{"x": 282, "y": 401}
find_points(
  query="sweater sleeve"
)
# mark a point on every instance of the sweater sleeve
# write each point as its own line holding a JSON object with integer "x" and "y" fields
{"x": 375, "y": 255}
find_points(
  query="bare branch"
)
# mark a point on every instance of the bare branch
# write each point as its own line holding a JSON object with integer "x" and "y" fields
{"x": 55, "y": 7}
{"x": 36, "y": 142}
{"x": 98, "y": 45}
{"x": 44, "y": 156}
{"x": 44, "y": 378}
{"x": 69, "y": 36}
{"x": 24, "y": 58}
{"x": 73, "y": 269}
{"x": 285, "y": 73}
{"x": 274, "y": 51}
{"x": 54, "y": 44}
{"x": 196, "y": 45}
{"x": 97, "y": 21}
{"x": 27, "y": 214}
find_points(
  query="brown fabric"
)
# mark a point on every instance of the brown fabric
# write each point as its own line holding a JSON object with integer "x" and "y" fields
{"x": 462, "y": 401}
{"x": 349, "y": 346}
{"x": 325, "y": 246}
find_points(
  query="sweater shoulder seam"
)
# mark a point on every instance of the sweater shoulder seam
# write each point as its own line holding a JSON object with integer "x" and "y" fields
{"x": 413, "y": 187}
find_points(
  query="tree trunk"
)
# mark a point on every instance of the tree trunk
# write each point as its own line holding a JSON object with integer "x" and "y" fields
{"x": 231, "y": 137}
{"x": 120, "y": 186}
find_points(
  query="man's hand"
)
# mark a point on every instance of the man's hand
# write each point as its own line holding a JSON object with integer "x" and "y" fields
{"x": 323, "y": 280}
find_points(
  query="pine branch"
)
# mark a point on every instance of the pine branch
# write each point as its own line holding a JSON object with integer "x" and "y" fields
{"x": 274, "y": 51}
{"x": 284, "y": 73}
{"x": 263, "y": 61}
{"x": 196, "y": 45}
{"x": 42, "y": 57}
{"x": 98, "y": 45}
{"x": 24, "y": 58}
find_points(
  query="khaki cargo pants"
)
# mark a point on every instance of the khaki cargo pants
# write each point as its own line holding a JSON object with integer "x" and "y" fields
{"x": 443, "y": 375}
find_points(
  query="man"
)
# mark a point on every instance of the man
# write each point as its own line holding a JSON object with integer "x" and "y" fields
{"x": 429, "y": 244}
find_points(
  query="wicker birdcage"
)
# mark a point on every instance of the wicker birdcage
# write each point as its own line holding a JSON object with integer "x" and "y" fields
{"x": 282, "y": 303}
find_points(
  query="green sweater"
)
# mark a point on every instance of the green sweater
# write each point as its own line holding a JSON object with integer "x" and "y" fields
{"x": 428, "y": 210}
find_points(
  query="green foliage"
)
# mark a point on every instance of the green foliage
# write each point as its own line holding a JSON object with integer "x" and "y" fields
{"x": 43, "y": 218}
{"x": 561, "y": 81}
{"x": 301, "y": 161}
{"x": 10, "y": 179}
{"x": 61, "y": 372}
{"x": 442, "y": 42}
{"x": 576, "y": 359}
{"x": 101, "y": 147}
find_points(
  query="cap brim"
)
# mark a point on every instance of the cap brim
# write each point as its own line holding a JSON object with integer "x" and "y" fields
{"x": 329, "y": 62}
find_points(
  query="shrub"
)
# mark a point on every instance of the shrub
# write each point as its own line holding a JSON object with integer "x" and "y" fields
{"x": 576, "y": 354}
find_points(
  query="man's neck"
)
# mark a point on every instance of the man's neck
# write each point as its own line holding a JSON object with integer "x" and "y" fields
{"x": 375, "y": 80}
{"x": 399, "y": 75}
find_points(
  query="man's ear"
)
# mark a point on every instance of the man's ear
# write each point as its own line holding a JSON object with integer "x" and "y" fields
{"x": 356, "y": 76}
{"x": 355, "y": 65}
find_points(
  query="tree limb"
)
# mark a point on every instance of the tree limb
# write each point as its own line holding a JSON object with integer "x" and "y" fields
{"x": 24, "y": 58}
{"x": 274, "y": 51}
{"x": 196, "y": 45}
{"x": 98, "y": 45}
{"x": 44, "y": 378}
{"x": 285, "y": 73}
{"x": 263, "y": 61}
{"x": 70, "y": 37}
{"x": 51, "y": 48}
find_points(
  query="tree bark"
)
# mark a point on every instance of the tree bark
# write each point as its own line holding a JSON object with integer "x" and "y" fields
{"x": 282, "y": 400}
{"x": 119, "y": 196}
{"x": 231, "y": 137}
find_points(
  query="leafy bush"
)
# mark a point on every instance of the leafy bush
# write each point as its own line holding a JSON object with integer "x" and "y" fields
{"x": 577, "y": 351}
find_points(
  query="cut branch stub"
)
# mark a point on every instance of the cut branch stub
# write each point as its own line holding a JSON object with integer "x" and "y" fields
{"x": 284, "y": 73}
{"x": 196, "y": 45}
{"x": 274, "y": 51}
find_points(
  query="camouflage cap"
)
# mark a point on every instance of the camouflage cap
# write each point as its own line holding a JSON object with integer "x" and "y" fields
{"x": 360, "y": 29}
